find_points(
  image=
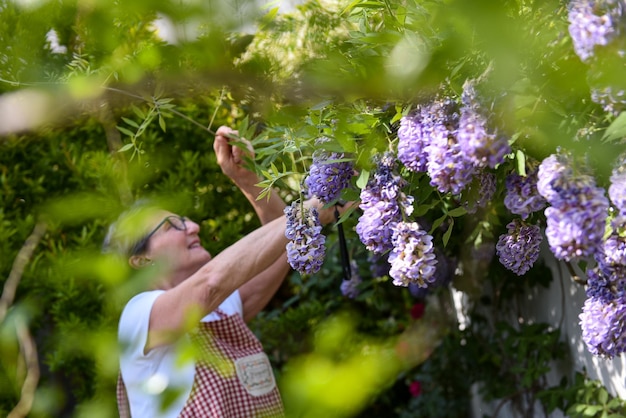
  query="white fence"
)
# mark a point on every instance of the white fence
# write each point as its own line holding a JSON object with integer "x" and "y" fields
{"x": 560, "y": 305}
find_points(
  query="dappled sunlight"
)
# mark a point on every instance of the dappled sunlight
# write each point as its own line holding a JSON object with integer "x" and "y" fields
{"x": 25, "y": 110}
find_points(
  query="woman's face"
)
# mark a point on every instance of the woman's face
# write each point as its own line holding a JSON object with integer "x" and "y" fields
{"x": 176, "y": 245}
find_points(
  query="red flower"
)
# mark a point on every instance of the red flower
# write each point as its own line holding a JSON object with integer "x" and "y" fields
{"x": 417, "y": 311}
{"x": 415, "y": 388}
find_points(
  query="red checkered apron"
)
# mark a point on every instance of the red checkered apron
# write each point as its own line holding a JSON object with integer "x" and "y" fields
{"x": 233, "y": 375}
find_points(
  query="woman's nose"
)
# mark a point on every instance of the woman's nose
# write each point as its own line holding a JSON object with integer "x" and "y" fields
{"x": 192, "y": 227}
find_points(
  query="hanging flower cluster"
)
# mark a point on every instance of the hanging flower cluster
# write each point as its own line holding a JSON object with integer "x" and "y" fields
{"x": 522, "y": 197}
{"x": 485, "y": 147}
{"x": 382, "y": 203}
{"x": 518, "y": 249}
{"x": 329, "y": 174}
{"x": 451, "y": 143}
{"x": 594, "y": 24}
{"x": 577, "y": 212}
{"x": 603, "y": 319}
{"x": 597, "y": 29}
{"x": 412, "y": 258}
{"x": 305, "y": 251}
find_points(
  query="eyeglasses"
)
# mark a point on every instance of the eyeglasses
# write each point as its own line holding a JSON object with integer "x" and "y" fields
{"x": 175, "y": 221}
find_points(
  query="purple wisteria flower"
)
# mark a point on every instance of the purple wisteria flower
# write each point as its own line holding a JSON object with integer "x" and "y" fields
{"x": 444, "y": 273}
{"x": 305, "y": 250}
{"x": 611, "y": 98}
{"x": 603, "y": 319}
{"x": 522, "y": 197}
{"x": 412, "y": 258}
{"x": 350, "y": 288}
{"x": 383, "y": 204}
{"x": 614, "y": 250}
{"x": 413, "y": 136}
{"x": 606, "y": 283}
{"x": 449, "y": 169}
{"x": 518, "y": 249}
{"x": 604, "y": 327}
{"x": 617, "y": 188}
{"x": 329, "y": 174}
{"x": 592, "y": 24}
{"x": 607, "y": 279}
{"x": 478, "y": 142}
{"x": 575, "y": 224}
{"x": 552, "y": 171}
{"x": 575, "y": 221}
{"x": 575, "y": 232}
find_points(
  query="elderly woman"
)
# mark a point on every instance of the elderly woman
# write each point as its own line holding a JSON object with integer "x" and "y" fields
{"x": 200, "y": 304}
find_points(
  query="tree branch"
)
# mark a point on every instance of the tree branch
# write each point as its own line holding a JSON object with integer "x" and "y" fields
{"x": 23, "y": 256}
{"x": 29, "y": 351}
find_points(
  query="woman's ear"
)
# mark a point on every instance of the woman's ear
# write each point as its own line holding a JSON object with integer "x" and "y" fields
{"x": 139, "y": 261}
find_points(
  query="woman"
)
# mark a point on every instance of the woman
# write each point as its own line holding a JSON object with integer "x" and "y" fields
{"x": 200, "y": 305}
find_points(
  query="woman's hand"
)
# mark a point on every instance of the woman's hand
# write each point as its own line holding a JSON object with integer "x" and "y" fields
{"x": 327, "y": 215}
{"x": 232, "y": 158}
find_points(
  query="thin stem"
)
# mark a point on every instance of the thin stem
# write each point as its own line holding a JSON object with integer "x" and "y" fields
{"x": 215, "y": 110}
{"x": 574, "y": 275}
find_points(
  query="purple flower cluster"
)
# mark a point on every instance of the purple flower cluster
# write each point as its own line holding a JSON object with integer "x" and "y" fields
{"x": 606, "y": 281}
{"x": 413, "y": 136}
{"x": 617, "y": 188}
{"x": 575, "y": 221}
{"x": 329, "y": 174}
{"x": 427, "y": 142}
{"x": 593, "y": 23}
{"x": 383, "y": 204}
{"x": 412, "y": 258}
{"x": 603, "y": 319}
{"x": 552, "y": 172}
{"x": 522, "y": 197}
{"x": 444, "y": 273}
{"x": 604, "y": 327}
{"x": 305, "y": 250}
{"x": 350, "y": 288}
{"x": 482, "y": 145}
{"x": 611, "y": 98}
{"x": 450, "y": 143}
{"x": 518, "y": 249}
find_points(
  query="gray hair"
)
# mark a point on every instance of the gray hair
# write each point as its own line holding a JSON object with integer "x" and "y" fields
{"x": 129, "y": 228}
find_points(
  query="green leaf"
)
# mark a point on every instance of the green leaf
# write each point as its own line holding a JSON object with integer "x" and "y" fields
{"x": 592, "y": 410}
{"x": 138, "y": 112}
{"x": 421, "y": 210}
{"x": 447, "y": 234}
{"x": 616, "y": 130}
{"x": 125, "y": 131}
{"x": 603, "y": 396}
{"x": 438, "y": 223}
{"x": 364, "y": 176}
{"x": 321, "y": 105}
{"x": 456, "y": 212}
{"x": 162, "y": 123}
{"x": 125, "y": 148}
{"x": 521, "y": 162}
{"x": 130, "y": 122}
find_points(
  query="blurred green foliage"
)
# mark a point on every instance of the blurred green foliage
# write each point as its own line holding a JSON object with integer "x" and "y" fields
{"x": 131, "y": 117}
